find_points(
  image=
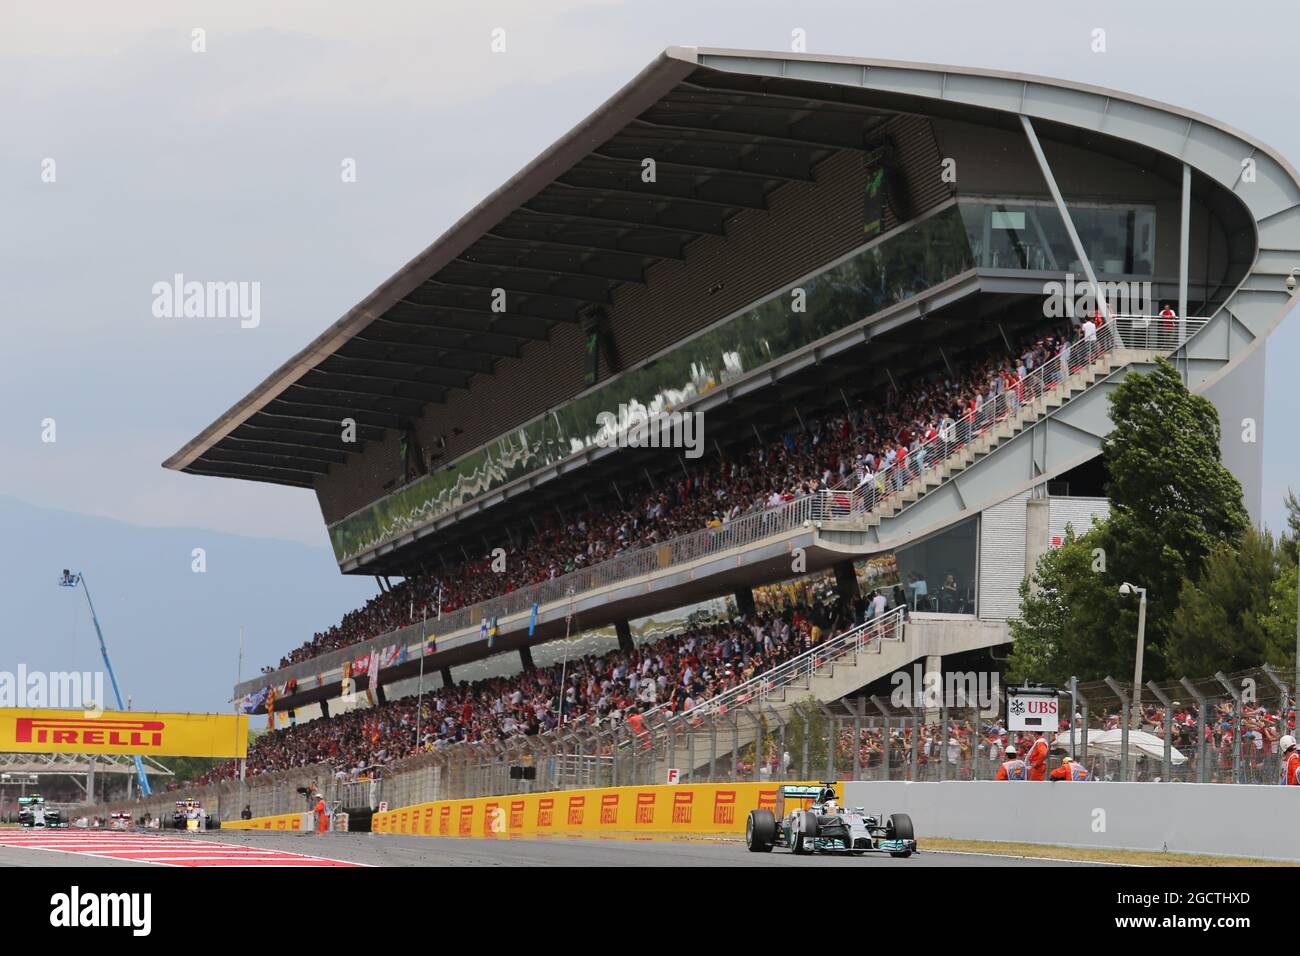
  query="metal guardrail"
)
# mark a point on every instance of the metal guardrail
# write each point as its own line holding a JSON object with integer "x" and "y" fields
{"x": 1016, "y": 401}
{"x": 1131, "y": 332}
{"x": 799, "y": 670}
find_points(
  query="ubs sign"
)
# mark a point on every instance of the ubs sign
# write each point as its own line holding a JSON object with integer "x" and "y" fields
{"x": 1033, "y": 708}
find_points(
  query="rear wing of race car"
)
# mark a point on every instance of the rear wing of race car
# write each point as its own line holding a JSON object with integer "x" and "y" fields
{"x": 801, "y": 792}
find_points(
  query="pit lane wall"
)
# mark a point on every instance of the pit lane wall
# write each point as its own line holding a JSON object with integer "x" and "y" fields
{"x": 1206, "y": 818}
{"x": 710, "y": 808}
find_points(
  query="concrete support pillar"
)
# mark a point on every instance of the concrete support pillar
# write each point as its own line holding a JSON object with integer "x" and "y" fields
{"x": 1038, "y": 533}
{"x": 933, "y": 665}
{"x": 846, "y": 582}
{"x": 624, "y": 633}
{"x": 526, "y": 658}
{"x": 446, "y": 677}
{"x": 745, "y": 601}
{"x": 325, "y": 709}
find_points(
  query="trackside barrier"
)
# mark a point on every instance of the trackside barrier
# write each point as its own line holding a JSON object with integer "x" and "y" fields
{"x": 1190, "y": 818}
{"x": 281, "y": 821}
{"x": 697, "y": 809}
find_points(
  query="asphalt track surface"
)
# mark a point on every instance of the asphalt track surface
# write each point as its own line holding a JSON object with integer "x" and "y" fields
{"x": 381, "y": 849}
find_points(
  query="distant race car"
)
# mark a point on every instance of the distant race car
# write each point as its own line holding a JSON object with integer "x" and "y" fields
{"x": 189, "y": 815}
{"x": 32, "y": 812}
{"x": 119, "y": 820}
{"x": 825, "y": 827}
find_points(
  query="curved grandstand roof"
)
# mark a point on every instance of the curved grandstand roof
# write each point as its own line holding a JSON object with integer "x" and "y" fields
{"x": 726, "y": 128}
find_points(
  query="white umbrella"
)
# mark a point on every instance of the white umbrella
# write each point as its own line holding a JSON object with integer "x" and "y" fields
{"x": 1109, "y": 742}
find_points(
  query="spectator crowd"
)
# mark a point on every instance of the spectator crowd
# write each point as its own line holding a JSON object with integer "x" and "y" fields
{"x": 865, "y": 441}
{"x": 674, "y": 674}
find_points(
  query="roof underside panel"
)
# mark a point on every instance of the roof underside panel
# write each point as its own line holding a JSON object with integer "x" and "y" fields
{"x": 720, "y": 145}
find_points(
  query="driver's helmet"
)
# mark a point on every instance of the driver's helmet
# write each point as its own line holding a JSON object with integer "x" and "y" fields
{"x": 831, "y": 806}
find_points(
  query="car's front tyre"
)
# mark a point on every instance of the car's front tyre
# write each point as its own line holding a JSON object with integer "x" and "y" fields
{"x": 760, "y": 831}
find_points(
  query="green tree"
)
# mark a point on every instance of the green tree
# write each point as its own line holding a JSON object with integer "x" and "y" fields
{"x": 1280, "y": 621}
{"x": 1219, "y": 623}
{"x": 1172, "y": 502}
{"x": 1068, "y": 616}
{"x": 1290, "y": 542}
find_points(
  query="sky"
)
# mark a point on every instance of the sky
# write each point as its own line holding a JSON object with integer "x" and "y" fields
{"x": 225, "y": 164}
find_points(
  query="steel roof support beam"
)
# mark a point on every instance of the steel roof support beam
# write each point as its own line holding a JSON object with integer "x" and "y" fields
{"x": 544, "y": 270}
{"x": 711, "y": 169}
{"x": 1057, "y": 198}
{"x": 548, "y": 243}
{"x": 675, "y": 198}
{"x": 629, "y": 224}
{"x": 449, "y": 378}
{"x": 425, "y": 354}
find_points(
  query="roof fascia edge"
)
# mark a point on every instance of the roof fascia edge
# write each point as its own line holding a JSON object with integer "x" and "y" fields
{"x": 669, "y": 68}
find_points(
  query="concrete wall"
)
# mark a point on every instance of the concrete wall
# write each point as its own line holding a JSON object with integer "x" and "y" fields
{"x": 1249, "y": 821}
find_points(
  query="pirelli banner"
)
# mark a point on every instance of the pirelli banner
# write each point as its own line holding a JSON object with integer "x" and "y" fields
{"x": 134, "y": 732}
{"x": 697, "y": 808}
{"x": 281, "y": 821}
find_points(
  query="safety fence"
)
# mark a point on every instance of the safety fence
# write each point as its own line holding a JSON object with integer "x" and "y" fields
{"x": 1223, "y": 729}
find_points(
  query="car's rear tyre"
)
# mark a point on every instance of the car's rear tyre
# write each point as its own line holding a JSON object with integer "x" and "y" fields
{"x": 760, "y": 831}
{"x": 805, "y": 833}
{"x": 900, "y": 828}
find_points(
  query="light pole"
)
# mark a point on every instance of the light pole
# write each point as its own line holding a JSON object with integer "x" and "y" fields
{"x": 1127, "y": 589}
{"x": 71, "y": 579}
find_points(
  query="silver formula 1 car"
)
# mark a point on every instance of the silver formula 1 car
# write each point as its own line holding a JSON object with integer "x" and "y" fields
{"x": 825, "y": 827}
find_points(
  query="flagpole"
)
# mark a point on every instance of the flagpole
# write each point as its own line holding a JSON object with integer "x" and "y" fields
{"x": 564, "y": 666}
{"x": 419, "y": 697}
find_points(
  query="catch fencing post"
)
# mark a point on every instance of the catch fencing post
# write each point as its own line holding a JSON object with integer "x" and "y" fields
{"x": 803, "y": 765}
{"x": 832, "y": 725}
{"x": 1202, "y": 751}
{"x": 1236, "y": 724}
{"x": 735, "y": 746}
{"x": 779, "y": 773}
{"x": 857, "y": 739}
{"x": 884, "y": 739}
{"x": 943, "y": 739}
{"x": 1083, "y": 710}
{"x": 1169, "y": 728}
{"x": 1282, "y": 706}
{"x": 1123, "y": 735}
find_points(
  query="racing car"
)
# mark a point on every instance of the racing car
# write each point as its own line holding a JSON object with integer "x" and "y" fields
{"x": 32, "y": 812}
{"x": 825, "y": 827}
{"x": 189, "y": 815}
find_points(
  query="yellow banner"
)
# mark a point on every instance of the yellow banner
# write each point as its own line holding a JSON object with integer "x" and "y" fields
{"x": 281, "y": 821}
{"x": 133, "y": 732}
{"x": 698, "y": 809}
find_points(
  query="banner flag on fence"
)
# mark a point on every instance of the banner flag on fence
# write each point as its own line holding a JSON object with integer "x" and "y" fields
{"x": 532, "y": 620}
{"x": 482, "y": 629}
{"x": 492, "y": 632}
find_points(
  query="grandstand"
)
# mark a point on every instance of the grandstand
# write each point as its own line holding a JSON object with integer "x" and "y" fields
{"x": 853, "y": 270}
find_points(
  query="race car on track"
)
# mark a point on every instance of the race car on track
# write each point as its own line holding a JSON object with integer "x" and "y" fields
{"x": 119, "y": 820}
{"x": 189, "y": 815}
{"x": 32, "y": 812}
{"x": 826, "y": 827}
